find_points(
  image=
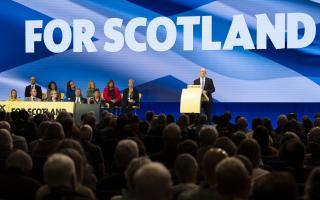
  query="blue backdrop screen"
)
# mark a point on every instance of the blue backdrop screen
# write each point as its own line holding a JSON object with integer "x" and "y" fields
{"x": 256, "y": 75}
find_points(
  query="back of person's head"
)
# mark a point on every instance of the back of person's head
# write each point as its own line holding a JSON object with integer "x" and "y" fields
{"x": 125, "y": 151}
{"x": 19, "y": 160}
{"x": 293, "y": 153}
{"x": 37, "y": 119}
{"x": 6, "y": 142}
{"x": 73, "y": 144}
{"x": 79, "y": 162}
{"x": 227, "y": 114}
{"x": 261, "y": 135}
{"x": 275, "y": 186}
{"x": 24, "y": 115}
{"x": 287, "y": 136}
{"x": 171, "y": 135}
{"x": 307, "y": 124}
{"x": 5, "y": 125}
{"x": 292, "y": 116}
{"x": 314, "y": 135}
{"x": 90, "y": 119}
{"x": 162, "y": 119}
{"x": 226, "y": 144}
{"x": 208, "y": 135}
{"x": 188, "y": 146}
{"x": 242, "y": 123}
{"x": 202, "y": 119}
{"x": 153, "y": 181}
{"x": 251, "y": 149}
{"x": 62, "y": 116}
{"x": 170, "y": 119}
{"x": 183, "y": 121}
{"x": 141, "y": 145}
{"x": 282, "y": 120}
{"x": 59, "y": 171}
{"x": 186, "y": 168}
{"x": 256, "y": 122}
{"x": 122, "y": 120}
{"x": 210, "y": 160}
{"x": 247, "y": 163}
{"x": 133, "y": 167}
{"x": 43, "y": 128}
{"x": 85, "y": 133}
{"x": 232, "y": 178}
{"x": 312, "y": 185}
{"x": 149, "y": 116}
{"x": 53, "y": 131}
{"x": 238, "y": 137}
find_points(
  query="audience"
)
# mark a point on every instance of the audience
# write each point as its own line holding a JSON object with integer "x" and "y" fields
{"x": 109, "y": 158}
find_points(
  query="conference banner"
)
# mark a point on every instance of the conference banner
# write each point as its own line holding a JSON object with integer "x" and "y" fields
{"x": 35, "y": 108}
{"x": 255, "y": 51}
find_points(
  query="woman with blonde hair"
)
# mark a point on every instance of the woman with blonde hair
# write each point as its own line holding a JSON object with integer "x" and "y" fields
{"x": 90, "y": 89}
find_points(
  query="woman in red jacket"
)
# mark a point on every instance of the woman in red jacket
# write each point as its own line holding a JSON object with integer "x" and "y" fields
{"x": 111, "y": 94}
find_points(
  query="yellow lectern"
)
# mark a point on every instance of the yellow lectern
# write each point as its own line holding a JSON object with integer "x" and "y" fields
{"x": 190, "y": 101}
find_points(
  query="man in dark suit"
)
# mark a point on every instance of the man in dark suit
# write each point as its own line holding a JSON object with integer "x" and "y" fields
{"x": 33, "y": 85}
{"x": 78, "y": 97}
{"x": 208, "y": 88}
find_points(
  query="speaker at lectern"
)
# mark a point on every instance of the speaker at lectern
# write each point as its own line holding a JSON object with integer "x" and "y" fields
{"x": 191, "y": 98}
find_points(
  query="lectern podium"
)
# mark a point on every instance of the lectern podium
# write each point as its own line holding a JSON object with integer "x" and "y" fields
{"x": 190, "y": 101}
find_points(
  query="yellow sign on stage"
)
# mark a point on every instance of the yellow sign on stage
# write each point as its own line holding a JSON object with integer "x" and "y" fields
{"x": 34, "y": 108}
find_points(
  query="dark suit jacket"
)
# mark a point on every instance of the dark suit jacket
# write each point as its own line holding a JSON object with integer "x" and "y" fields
{"x": 82, "y": 99}
{"x": 27, "y": 91}
{"x": 135, "y": 97}
{"x": 208, "y": 86}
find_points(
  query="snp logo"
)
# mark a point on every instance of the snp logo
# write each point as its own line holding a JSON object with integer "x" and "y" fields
{"x": 2, "y": 107}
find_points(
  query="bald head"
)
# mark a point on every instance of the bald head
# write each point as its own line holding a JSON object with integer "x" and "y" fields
{"x": 59, "y": 171}
{"x": 210, "y": 160}
{"x": 152, "y": 181}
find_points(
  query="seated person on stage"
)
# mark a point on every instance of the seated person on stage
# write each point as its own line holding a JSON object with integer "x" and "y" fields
{"x": 96, "y": 99}
{"x": 33, "y": 96}
{"x": 13, "y": 95}
{"x": 130, "y": 96}
{"x": 78, "y": 97}
{"x": 33, "y": 85}
{"x": 71, "y": 88}
{"x": 53, "y": 86}
{"x": 91, "y": 89}
{"x": 54, "y": 96}
{"x": 112, "y": 94}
